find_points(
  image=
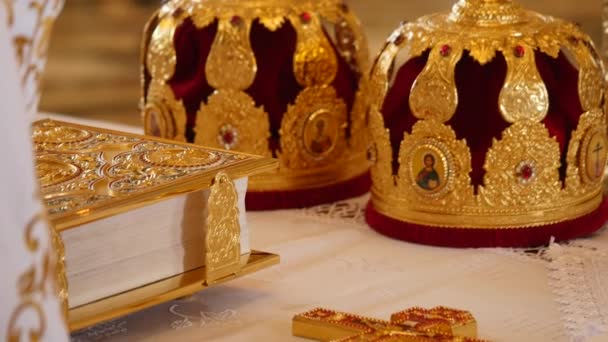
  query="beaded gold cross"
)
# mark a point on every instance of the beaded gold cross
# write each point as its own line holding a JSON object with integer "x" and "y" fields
{"x": 415, "y": 324}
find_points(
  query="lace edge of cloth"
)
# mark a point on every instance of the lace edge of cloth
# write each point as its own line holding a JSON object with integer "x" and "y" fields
{"x": 577, "y": 275}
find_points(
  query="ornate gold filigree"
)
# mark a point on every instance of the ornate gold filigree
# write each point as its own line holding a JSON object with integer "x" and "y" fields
{"x": 544, "y": 33}
{"x": 379, "y": 75}
{"x": 181, "y": 158}
{"x": 434, "y": 94}
{"x": 522, "y": 185}
{"x": 591, "y": 76}
{"x": 164, "y": 116}
{"x": 250, "y": 124}
{"x": 528, "y": 142}
{"x": 382, "y": 168}
{"x": 415, "y": 324}
{"x": 486, "y": 13}
{"x": 113, "y": 166}
{"x": 160, "y": 57}
{"x": 351, "y": 42}
{"x": 55, "y": 134}
{"x": 223, "y": 249}
{"x": 271, "y": 13}
{"x": 51, "y": 172}
{"x": 222, "y": 116}
{"x": 313, "y": 129}
{"x": 524, "y": 95}
{"x": 231, "y": 63}
{"x": 314, "y": 62}
{"x": 359, "y": 132}
{"x": 352, "y": 45}
{"x": 431, "y": 137}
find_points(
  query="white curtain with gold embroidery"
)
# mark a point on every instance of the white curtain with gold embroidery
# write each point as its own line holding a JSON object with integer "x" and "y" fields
{"x": 29, "y": 307}
{"x": 29, "y": 24}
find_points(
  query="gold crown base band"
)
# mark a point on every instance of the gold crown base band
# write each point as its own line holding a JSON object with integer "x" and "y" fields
{"x": 396, "y": 209}
{"x": 290, "y": 179}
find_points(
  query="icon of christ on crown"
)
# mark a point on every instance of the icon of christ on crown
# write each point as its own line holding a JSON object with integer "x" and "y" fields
{"x": 428, "y": 177}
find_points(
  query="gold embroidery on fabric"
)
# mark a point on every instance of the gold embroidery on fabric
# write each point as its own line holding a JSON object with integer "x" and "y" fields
{"x": 37, "y": 281}
{"x": 31, "y": 49}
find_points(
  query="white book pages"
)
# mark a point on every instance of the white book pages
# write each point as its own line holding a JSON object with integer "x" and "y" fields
{"x": 141, "y": 246}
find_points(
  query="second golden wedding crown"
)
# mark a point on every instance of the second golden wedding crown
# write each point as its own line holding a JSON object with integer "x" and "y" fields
{"x": 491, "y": 133}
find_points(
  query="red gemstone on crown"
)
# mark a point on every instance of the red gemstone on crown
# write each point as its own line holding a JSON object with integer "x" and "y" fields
{"x": 399, "y": 39}
{"x": 445, "y": 50}
{"x": 519, "y": 51}
{"x": 228, "y": 137}
{"x": 235, "y": 20}
{"x": 306, "y": 17}
{"x": 527, "y": 172}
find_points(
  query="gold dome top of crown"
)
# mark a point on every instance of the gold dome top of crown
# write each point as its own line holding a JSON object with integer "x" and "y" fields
{"x": 487, "y": 13}
{"x": 527, "y": 179}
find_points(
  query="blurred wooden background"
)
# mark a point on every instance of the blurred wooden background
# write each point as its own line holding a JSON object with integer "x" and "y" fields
{"x": 93, "y": 68}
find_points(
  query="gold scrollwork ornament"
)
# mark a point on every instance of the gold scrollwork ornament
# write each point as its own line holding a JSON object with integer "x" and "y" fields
{"x": 222, "y": 239}
{"x": 524, "y": 95}
{"x": 590, "y": 79}
{"x": 382, "y": 169}
{"x": 351, "y": 41}
{"x": 522, "y": 168}
{"x": 315, "y": 62}
{"x": 230, "y": 120}
{"x": 161, "y": 58}
{"x": 434, "y": 94}
{"x": 164, "y": 116}
{"x": 231, "y": 63}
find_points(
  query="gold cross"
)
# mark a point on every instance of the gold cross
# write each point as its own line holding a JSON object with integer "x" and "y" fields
{"x": 415, "y": 325}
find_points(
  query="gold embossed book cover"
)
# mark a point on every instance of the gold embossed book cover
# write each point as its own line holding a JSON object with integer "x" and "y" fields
{"x": 132, "y": 210}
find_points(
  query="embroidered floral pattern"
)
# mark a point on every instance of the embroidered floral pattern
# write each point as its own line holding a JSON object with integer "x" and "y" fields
{"x": 203, "y": 319}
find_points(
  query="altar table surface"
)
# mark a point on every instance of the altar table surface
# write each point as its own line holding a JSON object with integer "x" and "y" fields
{"x": 330, "y": 258}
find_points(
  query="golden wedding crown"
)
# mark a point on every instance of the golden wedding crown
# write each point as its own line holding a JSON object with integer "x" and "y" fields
{"x": 264, "y": 77}
{"x": 492, "y": 133}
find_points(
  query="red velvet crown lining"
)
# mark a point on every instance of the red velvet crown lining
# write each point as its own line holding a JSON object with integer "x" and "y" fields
{"x": 274, "y": 88}
{"x": 478, "y": 120}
